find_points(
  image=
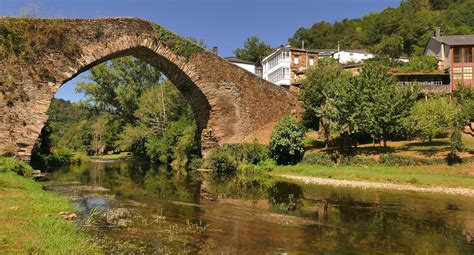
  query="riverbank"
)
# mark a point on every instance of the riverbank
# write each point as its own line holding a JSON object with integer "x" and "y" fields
{"x": 30, "y": 221}
{"x": 458, "y": 180}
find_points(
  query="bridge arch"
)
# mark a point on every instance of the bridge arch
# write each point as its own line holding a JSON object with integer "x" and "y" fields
{"x": 230, "y": 104}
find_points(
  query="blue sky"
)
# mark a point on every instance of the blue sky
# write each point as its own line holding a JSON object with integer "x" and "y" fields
{"x": 222, "y": 23}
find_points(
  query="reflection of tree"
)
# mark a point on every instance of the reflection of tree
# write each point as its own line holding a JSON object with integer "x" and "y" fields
{"x": 286, "y": 195}
{"x": 171, "y": 185}
{"x": 240, "y": 186}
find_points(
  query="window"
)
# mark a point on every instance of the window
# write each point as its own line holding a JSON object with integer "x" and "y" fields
{"x": 457, "y": 73}
{"x": 467, "y": 73}
{"x": 467, "y": 55}
{"x": 311, "y": 61}
{"x": 296, "y": 60}
{"x": 457, "y": 55}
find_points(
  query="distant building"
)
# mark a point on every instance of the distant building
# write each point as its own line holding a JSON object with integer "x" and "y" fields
{"x": 325, "y": 53}
{"x": 286, "y": 65}
{"x": 427, "y": 82}
{"x": 352, "y": 56}
{"x": 455, "y": 57}
{"x": 247, "y": 65}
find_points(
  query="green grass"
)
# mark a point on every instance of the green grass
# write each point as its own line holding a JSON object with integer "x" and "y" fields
{"x": 442, "y": 175}
{"x": 30, "y": 224}
{"x": 123, "y": 155}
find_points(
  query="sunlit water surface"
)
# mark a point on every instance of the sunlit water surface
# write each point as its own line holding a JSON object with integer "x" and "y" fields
{"x": 132, "y": 207}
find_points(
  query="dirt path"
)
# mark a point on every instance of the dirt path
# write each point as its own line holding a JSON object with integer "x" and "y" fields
{"x": 378, "y": 185}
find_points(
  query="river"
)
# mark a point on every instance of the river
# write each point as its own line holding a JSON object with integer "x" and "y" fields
{"x": 133, "y": 207}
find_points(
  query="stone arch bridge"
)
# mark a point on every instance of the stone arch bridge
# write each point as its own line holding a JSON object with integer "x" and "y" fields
{"x": 37, "y": 56}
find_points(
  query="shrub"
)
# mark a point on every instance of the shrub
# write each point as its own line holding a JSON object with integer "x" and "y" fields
{"x": 286, "y": 141}
{"x": 59, "y": 157}
{"x": 8, "y": 164}
{"x": 395, "y": 160}
{"x": 79, "y": 158}
{"x": 220, "y": 160}
{"x": 247, "y": 153}
{"x": 318, "y": 158}
{"x": 357, "y": 160}
{"x": 195, "y": 163}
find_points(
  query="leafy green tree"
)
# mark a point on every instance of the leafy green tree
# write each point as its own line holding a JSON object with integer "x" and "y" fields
{"x": 286, "y": 141}
{"x": 391, "y": 46}
{"x": 320, "y": 94}
{"x": 116, "y": 86}
{"x": 432, "y": 117}
{"x": 462, "y": 117}
{"x": 254, "y": 50}
{"x": 382, "y": 105}
{"x": 425, "y": 64}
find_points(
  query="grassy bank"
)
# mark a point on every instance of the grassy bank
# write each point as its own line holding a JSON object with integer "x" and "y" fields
{"x": 439, "y": 175}
{"x": 120, "y": 156}
{"x": 30, "y": 224}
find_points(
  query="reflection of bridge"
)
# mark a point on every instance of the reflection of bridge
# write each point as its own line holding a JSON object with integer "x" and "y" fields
{"x": 230, "y": 104}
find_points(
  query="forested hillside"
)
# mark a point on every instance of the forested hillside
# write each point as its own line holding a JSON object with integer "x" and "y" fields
{"x": 402, "y": 31}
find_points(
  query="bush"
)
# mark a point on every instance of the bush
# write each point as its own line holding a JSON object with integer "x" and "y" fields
{"x": 79, "y": 158}
{"x": 395, "y": 160}
{"x": 195, "y": 163}
{"x": 318, "y": 158}
{"x": 59, "y": 157}
{"x": 247, "y": 153}
{"x": 8, "y": 164}
{"x": 220, "y": 160}
{"x": 286, "y": 141}
{"x": 357, "y": 160}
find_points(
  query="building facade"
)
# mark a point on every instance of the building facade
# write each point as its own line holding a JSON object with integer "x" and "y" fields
{"x": 352, "y": 56}
{"x": 247, "y": 65}
{"x": 454, "y": 54}
{"x": 286, "y": 65}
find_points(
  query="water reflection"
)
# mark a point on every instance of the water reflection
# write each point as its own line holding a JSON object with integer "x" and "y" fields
{"x": 152, "y": 209}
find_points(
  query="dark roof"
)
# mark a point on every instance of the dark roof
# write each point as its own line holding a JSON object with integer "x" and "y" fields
{"x": 325, "y": 52}
{"x": 363, "y": 51}
{"x": 238, "y": 60}
{"x": 302, "y": 50}
{"x": 456, "y": 39}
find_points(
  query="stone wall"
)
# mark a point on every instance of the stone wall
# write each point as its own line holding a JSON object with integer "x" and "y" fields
{"x": 230, "y": 104}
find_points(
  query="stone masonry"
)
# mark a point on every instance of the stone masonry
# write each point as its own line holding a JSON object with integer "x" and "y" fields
{"x": 230, "y": 104}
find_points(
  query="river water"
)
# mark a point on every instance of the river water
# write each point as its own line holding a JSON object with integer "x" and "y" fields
{"x": 135, "y": 208}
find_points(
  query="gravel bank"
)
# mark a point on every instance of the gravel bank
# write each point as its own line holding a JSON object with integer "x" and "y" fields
{"x": 378, "y": 185}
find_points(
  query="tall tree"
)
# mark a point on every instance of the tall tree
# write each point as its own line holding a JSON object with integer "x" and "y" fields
{"x": 116, "y": 86}
{"x": 254, "y": 50}
{"x": 381, "y": 104}
{"x": 320, "y": 92}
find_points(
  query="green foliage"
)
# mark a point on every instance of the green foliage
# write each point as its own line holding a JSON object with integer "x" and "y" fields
{"x": 320, "y": 94}
{"x": 220, "y": 160}
{"x": 247, "y": 153}
{"x": 318, "y": 158}
{"x": 390, "y": 45}
{"x": 286, "y": 141}
{"x": 462, "y": 116}
{"x": 395, "y": 160}
{"x": 431, "y": 118}
{"x": 8, "y": 164}
{"x": 254, "y": 50}
{"x": 59, "y": 157}
{"x": 179, "y": 45}
{"x": 116, "y": 86}
{"x": 394, "y": 31}
{"x": 379, "y": 105}
{"x": 357, "y": 160}
{"x": 422, "y": 64}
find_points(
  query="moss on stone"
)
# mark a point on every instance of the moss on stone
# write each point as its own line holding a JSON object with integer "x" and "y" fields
{"x": 179, "y": 45}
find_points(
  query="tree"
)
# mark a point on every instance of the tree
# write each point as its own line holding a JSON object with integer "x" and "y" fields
{"x": 462, "y": 117}
{"x": 320, "y": 94}
{"x": 254, "y": 50}
{"x": 116, "y": 86}
{"x": 391, "y": 46}
{"x": 381, "y": 105}
{"x": 286, "y": 141}
{"x": 431, "y": 117}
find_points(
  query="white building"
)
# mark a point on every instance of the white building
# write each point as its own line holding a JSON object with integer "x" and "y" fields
{"x": 286, "y": 65}
{"x": 247, "y": 65}
{"x": 352, "y": 56}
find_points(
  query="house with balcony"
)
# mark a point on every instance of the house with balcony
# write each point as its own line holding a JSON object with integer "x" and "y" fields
{"x": 286, "y": 65}
{"x": 247, "y": 65}
{"x": 454, "y": 54}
